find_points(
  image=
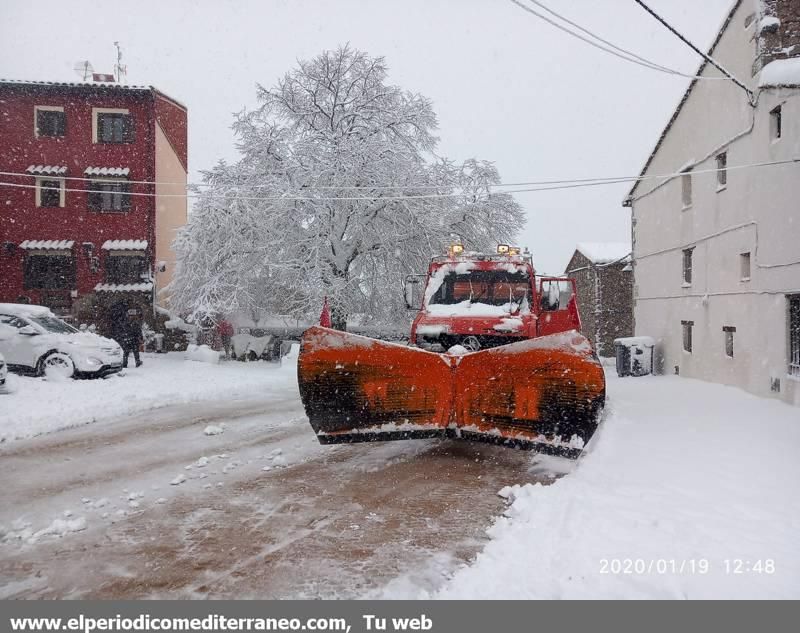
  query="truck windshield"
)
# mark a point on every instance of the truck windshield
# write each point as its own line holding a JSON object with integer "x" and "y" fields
{"x": 492, "y": 287}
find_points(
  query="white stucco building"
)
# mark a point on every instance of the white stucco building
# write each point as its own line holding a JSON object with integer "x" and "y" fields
{"x": 716, "y": 248}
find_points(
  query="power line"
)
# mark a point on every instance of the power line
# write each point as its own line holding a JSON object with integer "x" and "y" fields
{"x": 705, "y": 56}
{"x": 611, "y": 44}
{"x": 544, "y": 185}
{"x": 496, "y": 186}
{"x": 633, "y": 59}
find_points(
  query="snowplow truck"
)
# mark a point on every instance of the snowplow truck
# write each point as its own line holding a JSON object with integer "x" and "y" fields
{"x": 495, "y": 355}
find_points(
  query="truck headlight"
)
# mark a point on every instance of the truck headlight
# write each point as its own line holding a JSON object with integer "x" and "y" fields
{"x": 94, "y": 361}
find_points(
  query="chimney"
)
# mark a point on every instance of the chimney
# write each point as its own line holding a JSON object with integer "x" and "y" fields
{"x": 777, "y": 31}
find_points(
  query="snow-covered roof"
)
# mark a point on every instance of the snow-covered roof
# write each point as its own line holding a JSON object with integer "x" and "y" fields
{"x": 49, "y": 170}
{"x": 76, "y": 84}
{"x": 145, "y": 286}
{"x": 605, "y": 252}
{"x": 89, "y": 85}
{"x": 60, "y": 245}
{"x": 780, "y": 72}
{"x": 124, "y": 245}
{"x": 107, "y": 171}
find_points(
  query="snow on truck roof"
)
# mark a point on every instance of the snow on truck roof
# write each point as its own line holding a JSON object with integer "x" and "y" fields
{"x": 604, "y": 252}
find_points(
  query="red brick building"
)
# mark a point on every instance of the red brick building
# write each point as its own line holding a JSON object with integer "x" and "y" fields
{"x": 93, "y": 183}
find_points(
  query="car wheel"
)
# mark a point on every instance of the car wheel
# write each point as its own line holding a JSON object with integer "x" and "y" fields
{"x": 57, "y": 365}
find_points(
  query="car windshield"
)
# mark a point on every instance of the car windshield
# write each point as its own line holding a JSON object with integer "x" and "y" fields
{"x": 52, "y": 324}
{"x": 492, "y": 287}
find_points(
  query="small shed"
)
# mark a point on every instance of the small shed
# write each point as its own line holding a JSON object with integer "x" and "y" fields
{"x": 603, "y": 274}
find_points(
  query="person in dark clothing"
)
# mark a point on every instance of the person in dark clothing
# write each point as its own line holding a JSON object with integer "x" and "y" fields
{"x": 131, "y": 338}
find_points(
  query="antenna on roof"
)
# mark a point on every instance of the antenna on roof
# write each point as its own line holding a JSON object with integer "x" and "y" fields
{"x": 120, "y": 69}
{"x": 84, "y": 69}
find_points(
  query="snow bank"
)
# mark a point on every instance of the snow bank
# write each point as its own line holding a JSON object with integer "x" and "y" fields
{"x": 40, "y": 406}
{"x": 682, "y": 472}
{"x": 780, "y": 72}
{"x": 202, "y": 353}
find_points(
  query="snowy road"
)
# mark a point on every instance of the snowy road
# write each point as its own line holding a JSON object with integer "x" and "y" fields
{"x": 91, "y": 511}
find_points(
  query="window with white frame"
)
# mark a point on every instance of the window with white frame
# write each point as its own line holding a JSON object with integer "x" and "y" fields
{"x": 109, "y": 195}
{"x": 744, "y": 266}
{"x": 686, "y": 188}
{"x": 49, "y": 121}
{"x": 112, "y": 125}
{"x": 49, "y": 192}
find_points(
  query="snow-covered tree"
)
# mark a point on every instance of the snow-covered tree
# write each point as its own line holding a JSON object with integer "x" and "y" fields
{"x": 338, "y": 193}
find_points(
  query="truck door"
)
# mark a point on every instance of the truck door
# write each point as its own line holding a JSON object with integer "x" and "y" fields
{"x": 557, "y": 306}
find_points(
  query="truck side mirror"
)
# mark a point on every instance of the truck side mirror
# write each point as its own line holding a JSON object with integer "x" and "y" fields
{"x": 28, "y": 330}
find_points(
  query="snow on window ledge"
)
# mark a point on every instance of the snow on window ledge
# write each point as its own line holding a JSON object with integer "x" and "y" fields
{"x": 721, "y": 188}
{"x": 745, "y": 279}
{"x": 686, "y": 284}
{"x": 686, "y": 207}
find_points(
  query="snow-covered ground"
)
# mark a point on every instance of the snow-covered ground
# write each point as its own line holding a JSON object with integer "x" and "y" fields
{"x": 683, "y": 476}
{"x": 43, "y": 405}
{"x": 687, "y": 491}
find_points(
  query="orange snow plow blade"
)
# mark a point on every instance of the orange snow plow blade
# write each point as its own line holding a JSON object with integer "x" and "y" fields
{"x": 543, "y": 394}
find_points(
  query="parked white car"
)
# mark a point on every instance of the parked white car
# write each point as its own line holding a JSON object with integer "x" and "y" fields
{"x": 34, "y": 340}
{"x": 3, "y": 373}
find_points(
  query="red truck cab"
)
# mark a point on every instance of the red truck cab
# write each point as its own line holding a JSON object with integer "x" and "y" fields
{"x": 480, "y": 301}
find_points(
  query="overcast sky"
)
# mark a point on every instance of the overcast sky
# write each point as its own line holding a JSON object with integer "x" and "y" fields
{"x": 506, "y": 86}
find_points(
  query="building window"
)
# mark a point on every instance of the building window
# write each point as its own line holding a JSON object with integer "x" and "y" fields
{"x": 728, "y": 331}
{"x": 744, "y": 266}
{"x": 50, "y": 121}
{"x": 125, "y": 268}
{"x": 686, "y": 188}
{"x": 49, "y": 193}
{"x": 687, "y": 335}
{"x": 722, "y": 170}
{"x": 114, "y": 127}
{"x": 775, "y": 123}
{"x": 109, "y": 195}
{"x": 49, "y": 271}
{"x": 794, "y": 335}
{"x": 687, "y": 266}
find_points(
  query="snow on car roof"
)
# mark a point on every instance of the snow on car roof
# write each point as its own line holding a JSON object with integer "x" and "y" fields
{"x": 25, "y": 309}
{"x": 604, "y": 252}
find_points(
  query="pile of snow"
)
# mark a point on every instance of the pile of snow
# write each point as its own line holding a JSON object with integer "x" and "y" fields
{"x": 682, "y": 477}
{"x": 243, "y": 344}
{"x": 780, "y": 72}
{"x": 38, "y": 405}
{"x": 202, "y": 353}
{"x": 604, "y": 252}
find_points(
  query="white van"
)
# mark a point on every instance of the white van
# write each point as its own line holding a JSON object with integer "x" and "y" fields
{"x": 34, "y": 340}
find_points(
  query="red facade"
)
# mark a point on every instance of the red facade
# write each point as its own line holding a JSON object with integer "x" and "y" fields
{"x": 83, "y": 139}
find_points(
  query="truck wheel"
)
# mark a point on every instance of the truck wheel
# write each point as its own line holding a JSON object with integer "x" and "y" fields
{"x": 57, "y": 365}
